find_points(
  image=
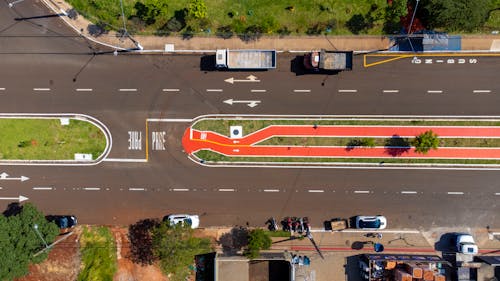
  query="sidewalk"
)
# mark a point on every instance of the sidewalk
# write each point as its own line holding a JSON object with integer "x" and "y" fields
{"x": 287, "y": 43}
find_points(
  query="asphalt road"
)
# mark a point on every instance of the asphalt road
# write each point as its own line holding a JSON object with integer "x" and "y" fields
{"x": 60, "y": 74}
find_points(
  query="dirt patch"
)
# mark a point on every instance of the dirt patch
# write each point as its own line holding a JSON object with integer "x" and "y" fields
{"x": 127, "y": 270}
{"x": 62, "y": 264}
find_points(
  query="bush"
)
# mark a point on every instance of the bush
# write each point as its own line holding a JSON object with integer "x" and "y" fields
{"x": 258, "y": 240}
{"x": 197, "y": 9}
{"x": 252, "y": 33}
{"x": 426, "y": 141}
{"x": 224, "y": 32}
{"x": 173, "y": 25}
{"x": 141, "y": 242}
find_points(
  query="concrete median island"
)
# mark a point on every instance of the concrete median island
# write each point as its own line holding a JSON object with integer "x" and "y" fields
{"x": 50, "y": 138}
{"x": 336, "y": 141}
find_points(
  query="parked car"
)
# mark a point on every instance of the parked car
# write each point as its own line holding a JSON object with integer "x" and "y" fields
{"x": 465, "y": 244}
{"x": 371, "y": 222}
{"x": 63, "y": 222}
{"x": 190, "y": 220}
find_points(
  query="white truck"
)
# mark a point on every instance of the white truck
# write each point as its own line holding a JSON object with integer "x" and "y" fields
{"x": 245, "y": 59}
{"x": 465, "y": 244}
{"x": 328, "y": 60}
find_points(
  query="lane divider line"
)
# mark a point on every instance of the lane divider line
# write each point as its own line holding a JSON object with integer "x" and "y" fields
{"x": 84, "y": 90}
{"x": 316, "y": 190}
{"x": 42, "y": 188}
{"x": 136, "y": 189}
{"x": 434, "y": 91}
{"x": 2, "y": 89}
{"x": 258, "y": 91}
{"x": 455, "y": 193}
{"x": 301, "y": 91}
{"x": 41, "y": 89}
{"x": 390, "y": 91}
{"x": 361, "y": 191}
{"x": 497, "y": 193}
{"x": 127, "y": 90}
{"x": 348, "y": 91}
{"x": 271, "y": 190}
{"x": 226, "y": 189}
{"x": 180, "y": 189}
{"x": 92, "y": 188}
{"x": 408, "y": 192}
{"x": 171, "y": 90}
{"x": 214, "y": 90}
{"x": 481, "y": 91}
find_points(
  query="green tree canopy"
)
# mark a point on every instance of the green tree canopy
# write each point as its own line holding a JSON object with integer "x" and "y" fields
{"x": 426, "y": 141}
{"x": 175, "y": 247}
{"x": 149, "y": 11}
{"x": 455, "y": 15}
{"x": 19, "y": 241}
{"x": 197, "y": 9}
{"x": 258, "y": 240}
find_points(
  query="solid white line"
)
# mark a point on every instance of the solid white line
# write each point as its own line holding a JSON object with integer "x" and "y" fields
{"x": 168, "y": 120}
{"x": 408, "y": 192}
{"x": 84, "y": 90}
{"x": 361, "y": 191}
{"x": 42, "y": 188}
{"x": 180, "y": 189}
{"x": 127, "y": 90}
{"x": 214, "y": 90}
{"x": 226, "y": 189}
{"x": 455, "y": 193}
{"x": 124, "y": 160}
{"x": 271, "y": 190}
{"x": 434, "y": 91}
{"x": 258, "y": 91}
{"x": 302, "y": 91}
{"x": 171, "y": 90}
{"x": 41, "y": 89}
{"x": 92, "y": 188}
{"x": 382, "y": 231}
{"x": 481, "y": 91}
{"x": 136, "y": 189}
{"x": 316, "y": 190}
{"x": 348, "y": 91}
{"x": 390, "y": 91}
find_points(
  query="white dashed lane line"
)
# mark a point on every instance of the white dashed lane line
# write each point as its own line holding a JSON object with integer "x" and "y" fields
{"x": 361, "y": 191}
{"x": 434, "y": 91}
{"x": 180, "y": 189}
{"x": 316, "y": 190}
{"x": 455, "y": 193}
{"x": 348, "y": 91}
{"x": 84, "y": 90}
{"x": 226, "y": 189}
{"x": 41, "y": 89}
{"x": 271, "y": 190}
{"x": 2, "y": 89}
{"x": 481, "y": 91}
{"x": 92, "y": 188}
{"x": 390, "y": 91}
{"x": 301, "y": 91}
{"x": 214, "y": 90}
{"x": 171, "y": 90}
{"x": 497, "y": 193}
{"x": 127, "y": 90}
{"x": 136, "y": 189}
{"x": 257, "y": 91}
{"x": 42, "y": 188}
{"x": 408, "y": 192}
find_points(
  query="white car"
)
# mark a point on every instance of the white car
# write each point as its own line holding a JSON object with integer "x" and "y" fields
{"x": 191, "y": 220}
{"x": 465, "y": 244}
{"x": 371, "y": 222}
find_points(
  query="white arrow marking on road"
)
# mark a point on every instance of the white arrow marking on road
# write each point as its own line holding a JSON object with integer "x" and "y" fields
{"x": 20, "y": 198}
{"x": 5, "y": 176}
{"x": 250, "y": 78}
{"x": 251, "y": 103}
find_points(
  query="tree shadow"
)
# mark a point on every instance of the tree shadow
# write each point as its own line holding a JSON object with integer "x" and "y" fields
{"x": 234, "y": 241}
{"x": 13, "y": 209}
{"x": 352, "y": 144}
{"x": 396, "y": 145}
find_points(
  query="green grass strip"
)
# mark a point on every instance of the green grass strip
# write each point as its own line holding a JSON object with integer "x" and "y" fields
{"x": 98, "y": 252}
{"x": 210, "y": 156}
{"x": 47, "y": 139}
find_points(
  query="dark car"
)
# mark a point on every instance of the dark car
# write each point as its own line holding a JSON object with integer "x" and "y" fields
{"x": 63, "y": 222}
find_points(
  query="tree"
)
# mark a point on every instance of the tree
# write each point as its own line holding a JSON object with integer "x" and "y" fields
{"x": 175, "y": 247}
{"x": 455, "y": 15}
{"x": 393, "y": 14}
{"x": 19, "y": 241}
{"x": 149, "y": 11}
{"x": 197, "y": 9}
{"x": 258, "y": 240}
{"x": 425, "y": 142}
{"x": 141, "y": 242}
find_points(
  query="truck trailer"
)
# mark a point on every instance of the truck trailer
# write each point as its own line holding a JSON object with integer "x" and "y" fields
{"x": 328, "y": 60}
{"x": 245, "y": 59}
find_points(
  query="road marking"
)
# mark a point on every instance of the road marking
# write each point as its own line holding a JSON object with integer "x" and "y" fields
{"x": 481, "y": 91}
{"x": 257, "y": 91}
{"x": 382, "y": 231}
{"x": 301, "y": 91}
{"x": 84, "y": 90}
{"x": 226, "y": 189}
{"x": 41, "y": 89}
{"x": 171, "y": 90}
{"x": 497, "y": 193}
{"x": 455, "y": 193}
{"x": 92, "y": 188}
{"x": 236, "y": 150}
{"x": 214, "y": 90}
{"x": 42, "y": 188}
{"x": 180, "y": 189}
{"x": 2, "y": 89}
{"x": 136, "y": 189}
{"x": 361, "y": 191}
{"x": 169, "y": 120}
{"x": 348, "y": 91}
{"x": 390, "y": 91}
{"x": 271, "y": 190}
{"x": 408, "y": 192}
{"x": 127, "y": 90}
{"x": 434, "y": 91}
{"x": 316, "y": 190}
{"x": 124, "y": 160}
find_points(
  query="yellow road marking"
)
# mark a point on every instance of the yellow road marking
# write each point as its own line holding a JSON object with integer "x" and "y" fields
{"x": 222, "y": 144}
{"x": 394, "y": 57}
{"x": 147, "y": 141}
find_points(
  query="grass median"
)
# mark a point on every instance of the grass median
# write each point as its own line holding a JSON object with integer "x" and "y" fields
{"x": 47, "y": 139}
{"x": 98, "y": 252}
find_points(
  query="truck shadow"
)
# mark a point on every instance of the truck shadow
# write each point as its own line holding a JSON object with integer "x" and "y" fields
{"x": 446, "y": 242}
{"x": 207, "y": 63}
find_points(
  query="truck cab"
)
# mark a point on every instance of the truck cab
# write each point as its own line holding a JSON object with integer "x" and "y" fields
{"x": 465, "y": 244}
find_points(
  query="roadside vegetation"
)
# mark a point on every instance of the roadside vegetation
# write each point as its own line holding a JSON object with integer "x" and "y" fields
{"x": 249, "y": 20}
{"x": 47, "y": 139}
{"x": 19, "y": 242}
{"x": 98, "y": 252}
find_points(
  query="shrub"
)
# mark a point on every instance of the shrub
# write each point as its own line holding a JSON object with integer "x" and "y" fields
{"x": 224, "y": 32}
